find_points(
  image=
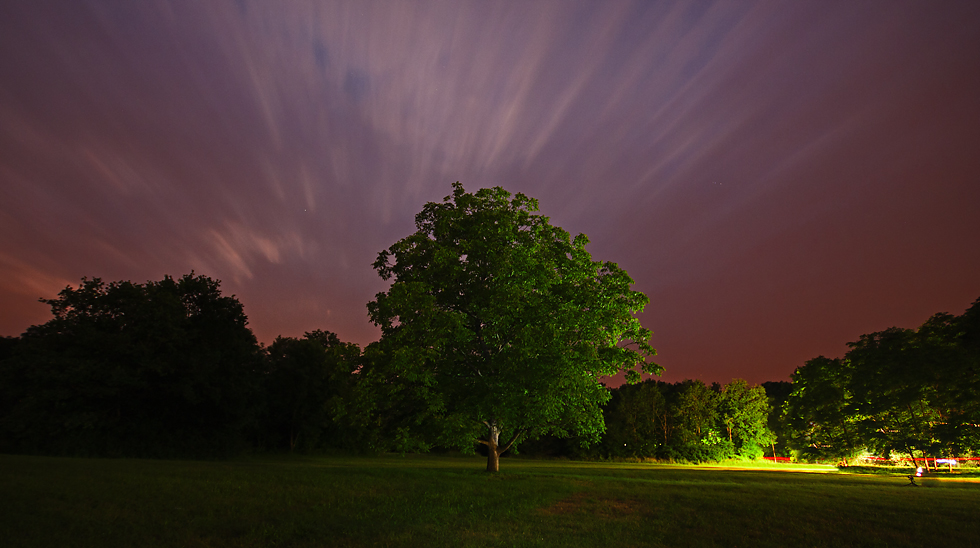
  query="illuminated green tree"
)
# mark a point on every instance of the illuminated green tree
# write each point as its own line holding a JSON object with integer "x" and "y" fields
{"x": 744, "y": 410}
{"x": 695, "y": 409}
{"x": 504, "y": 323}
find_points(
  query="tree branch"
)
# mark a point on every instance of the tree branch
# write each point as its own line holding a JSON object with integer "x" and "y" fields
{"x": 520, "y": 432}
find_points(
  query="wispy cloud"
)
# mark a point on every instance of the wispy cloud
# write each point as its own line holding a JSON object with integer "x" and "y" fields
{"x": 706, "y": 146}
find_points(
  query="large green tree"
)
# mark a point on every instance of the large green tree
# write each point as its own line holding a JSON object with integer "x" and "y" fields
{"x": 504, "y": 323}
{"x": 891, "y": 394}
{"x": 949, "y": 369}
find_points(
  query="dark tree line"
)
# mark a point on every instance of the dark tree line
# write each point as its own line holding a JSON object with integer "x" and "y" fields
{"x": 904, "y": 392}
{"x": 165, "y": 369}
{"x": 170, "y": 368}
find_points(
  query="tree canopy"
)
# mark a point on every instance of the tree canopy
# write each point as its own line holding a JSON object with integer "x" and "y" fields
{"x": 744, "y": 411}
{"x": 687, "y": 421}
{"x": 503, "y": 324}
{"x": 163, "y": 368}
{"x": 304, "y": 382}
{"x": 897, "y": 391}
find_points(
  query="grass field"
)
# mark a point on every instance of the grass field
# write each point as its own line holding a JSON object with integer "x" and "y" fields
{"x": 449, "y": 501}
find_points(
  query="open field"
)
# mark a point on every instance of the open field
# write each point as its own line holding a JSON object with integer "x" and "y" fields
{"x": 449, "y": 501}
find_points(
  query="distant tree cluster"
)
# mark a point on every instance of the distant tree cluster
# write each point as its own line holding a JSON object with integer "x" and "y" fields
{"x": 907, "y": 392}
{"x": 687, "y": 421}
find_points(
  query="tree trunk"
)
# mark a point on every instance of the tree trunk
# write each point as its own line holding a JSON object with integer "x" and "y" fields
{"x": 493, "y": 456}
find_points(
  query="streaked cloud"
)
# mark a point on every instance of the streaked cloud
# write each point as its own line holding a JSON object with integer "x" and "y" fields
{"x": 764, "y": 170}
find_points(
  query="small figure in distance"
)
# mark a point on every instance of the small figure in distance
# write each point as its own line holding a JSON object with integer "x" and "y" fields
{"x": 918, "y": 473}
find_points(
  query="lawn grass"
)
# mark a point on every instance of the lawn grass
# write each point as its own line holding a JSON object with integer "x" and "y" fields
{"x": 449, "y": 501}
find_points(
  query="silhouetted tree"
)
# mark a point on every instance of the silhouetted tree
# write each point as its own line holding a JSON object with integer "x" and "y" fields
{"x": 817, "y": 414}
{"x": 891, "y": 395}
{"x": 11, "y": 378}
{"x": 304, "y": 383}
{"x": 905, "y": 391}
{"x": 157, "y": 369}
{"x": 778, "y": 392}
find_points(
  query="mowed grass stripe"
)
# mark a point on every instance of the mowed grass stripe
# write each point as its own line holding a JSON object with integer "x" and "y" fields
{"x": 449, "y": 501}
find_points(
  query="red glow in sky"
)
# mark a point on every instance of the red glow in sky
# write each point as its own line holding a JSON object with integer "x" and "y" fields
{"x": 778, "y": 177}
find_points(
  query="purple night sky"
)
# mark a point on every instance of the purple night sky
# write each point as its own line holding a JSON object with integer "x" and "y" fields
{"x": 778, "y": 177}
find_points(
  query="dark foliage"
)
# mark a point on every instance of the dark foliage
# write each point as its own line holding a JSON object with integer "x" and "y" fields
{"x": 159, "y": 369}
{"x": 305, "y": 384}
{"x": 907, "y": 392}
{"x": 778, "y": 393}
{"x": 686, "y": 421}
